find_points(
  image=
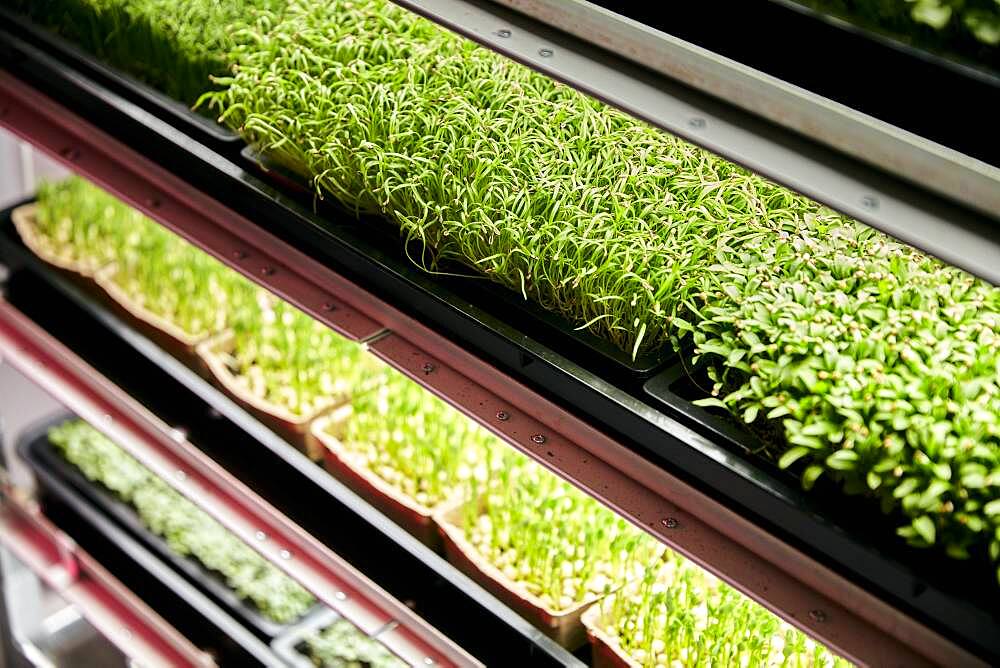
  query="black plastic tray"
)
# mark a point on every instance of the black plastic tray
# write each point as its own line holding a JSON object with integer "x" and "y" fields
{"x": 550, "y": 326}
{"x": 167, "y": 108}
{"x": 37, "y": 451}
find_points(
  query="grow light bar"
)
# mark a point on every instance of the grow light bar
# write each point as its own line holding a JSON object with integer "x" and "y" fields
{"x": 891, "y": 179}
{"x": 164, "y": 451}
{"x": 116, "y": 612}
{"x": 784, "y": 579}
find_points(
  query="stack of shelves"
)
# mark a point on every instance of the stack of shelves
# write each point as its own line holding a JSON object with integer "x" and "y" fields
{"x": 621, "y": 424}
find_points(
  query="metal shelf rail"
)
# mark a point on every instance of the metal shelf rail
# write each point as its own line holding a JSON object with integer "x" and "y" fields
{"x": 117, "y": 613}
{"x": 799, "y": 587}
{"x": 926, "y": 194}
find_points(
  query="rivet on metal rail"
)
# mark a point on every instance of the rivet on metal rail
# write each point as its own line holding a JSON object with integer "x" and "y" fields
{"x": 260, "y": 536}
{"x": 267, "y": 270}
{"x": 546, "y": 52}
{"x": 870, "y": 202}
{"x": 285, "y": 554}
{"x": 817, "y": 616}
{"x": 178, "y": 435}
{"x": 428, "y": 661}
{"x": 503, "y": 32}
{"x": 697, "y": 123}
{"x": 329, "y": 306}
{"x": 180, "y": 475}
{"x": 538, "y": 439}
{"x": 340, "y": 596}
{"x": 239, "y": 254}
{"x": 503, "y": 416}
{"x": 670, "y": 523}
{"x": 428, "y": 368}
{"x": 153, "y": 202}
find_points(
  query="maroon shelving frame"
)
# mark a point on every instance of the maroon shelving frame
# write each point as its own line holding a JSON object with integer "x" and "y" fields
{"x": 114, "y": 611}
{"x": 781, "y": 577}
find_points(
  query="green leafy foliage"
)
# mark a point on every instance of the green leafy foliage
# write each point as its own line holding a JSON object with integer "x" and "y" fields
{"x": 418, "y": 443}
{"x": 173, "y": 46}
{"x": 882, "y": 364}
{"x": 341, "y": 645}
{"x": 188, "y": 530}
{"x": 679, "y": 615}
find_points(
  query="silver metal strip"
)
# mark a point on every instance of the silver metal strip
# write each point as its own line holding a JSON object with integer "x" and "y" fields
{"x": 719, "y": 104}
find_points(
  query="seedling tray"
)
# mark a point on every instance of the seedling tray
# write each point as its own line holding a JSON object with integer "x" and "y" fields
{"x": 563, "y": 626}
{"x": 294, "y": 428}
{"x": 605, "y": 650}
{"x": 167, "y": 108}
{"x": 158, "y": 329}
{"x": 553, "y": 328}
{"x": 36, "y": 450}
{"x": 416, "y": 519}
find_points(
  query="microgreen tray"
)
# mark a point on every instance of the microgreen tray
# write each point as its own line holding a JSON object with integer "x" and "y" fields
{"x": 543, "y": 324}
{"x": 40, "y": 454}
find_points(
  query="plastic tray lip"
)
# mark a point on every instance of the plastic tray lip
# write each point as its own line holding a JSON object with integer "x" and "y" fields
{"x": 644, "y": 365}
{"x": 165, "y": 106}
{"x": 285, "y": 644}
{"x": 35, "y": 449}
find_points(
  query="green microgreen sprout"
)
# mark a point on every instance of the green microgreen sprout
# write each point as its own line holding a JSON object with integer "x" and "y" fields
{"x": 555, "y": 541}
{"x": 188, "y": 530}
{"x": 677, "y": 614}
{"x": 282, "y": 356}
{"x": 418, "y": 443}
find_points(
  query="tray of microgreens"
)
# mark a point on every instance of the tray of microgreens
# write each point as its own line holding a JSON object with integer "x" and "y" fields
{"x": 326, "y": 640}
{"x": 181, "y": 533}
{"x": 543, "y": 547}
{"x": 678, "y": 614}
{"x": 288, "y": 368}
{"x": 407, "y": 452}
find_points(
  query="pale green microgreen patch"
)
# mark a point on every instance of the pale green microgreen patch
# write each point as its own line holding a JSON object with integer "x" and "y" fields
{"x": 418, "y": 443}
{"x": 285, "y": 357}
{"x": 679, "y": 615}
{"x": 78, "y": 222}
{"x": 557, "y": 542}
{"x": 188, "y": 530}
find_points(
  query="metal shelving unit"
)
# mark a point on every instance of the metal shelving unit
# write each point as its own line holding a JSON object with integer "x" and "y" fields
{"x": 611, "y": 430}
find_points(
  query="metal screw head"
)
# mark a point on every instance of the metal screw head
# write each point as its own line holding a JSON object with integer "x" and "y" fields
{"x": 669, "y": 522}
{"x": 545, "y": 53}
{"x": 329, "y": 306}
{"x": 428, "y": 367}
{"x": 340, "y": 596}
{"x": 538, "y": 438}
{"x": 428, "y": 661}
{"x": 260, "y": 536}
{"x": 267, "y": 270}
{"x": 285, "y": 554}
{"x": 180, "y": 475}
{"x": 503, "y": 32}
{"x": 697, "y": 123}
{"x": 503, "y": 416}
{"x": 869, "y": 202}
{"x": 817, "y": 616}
